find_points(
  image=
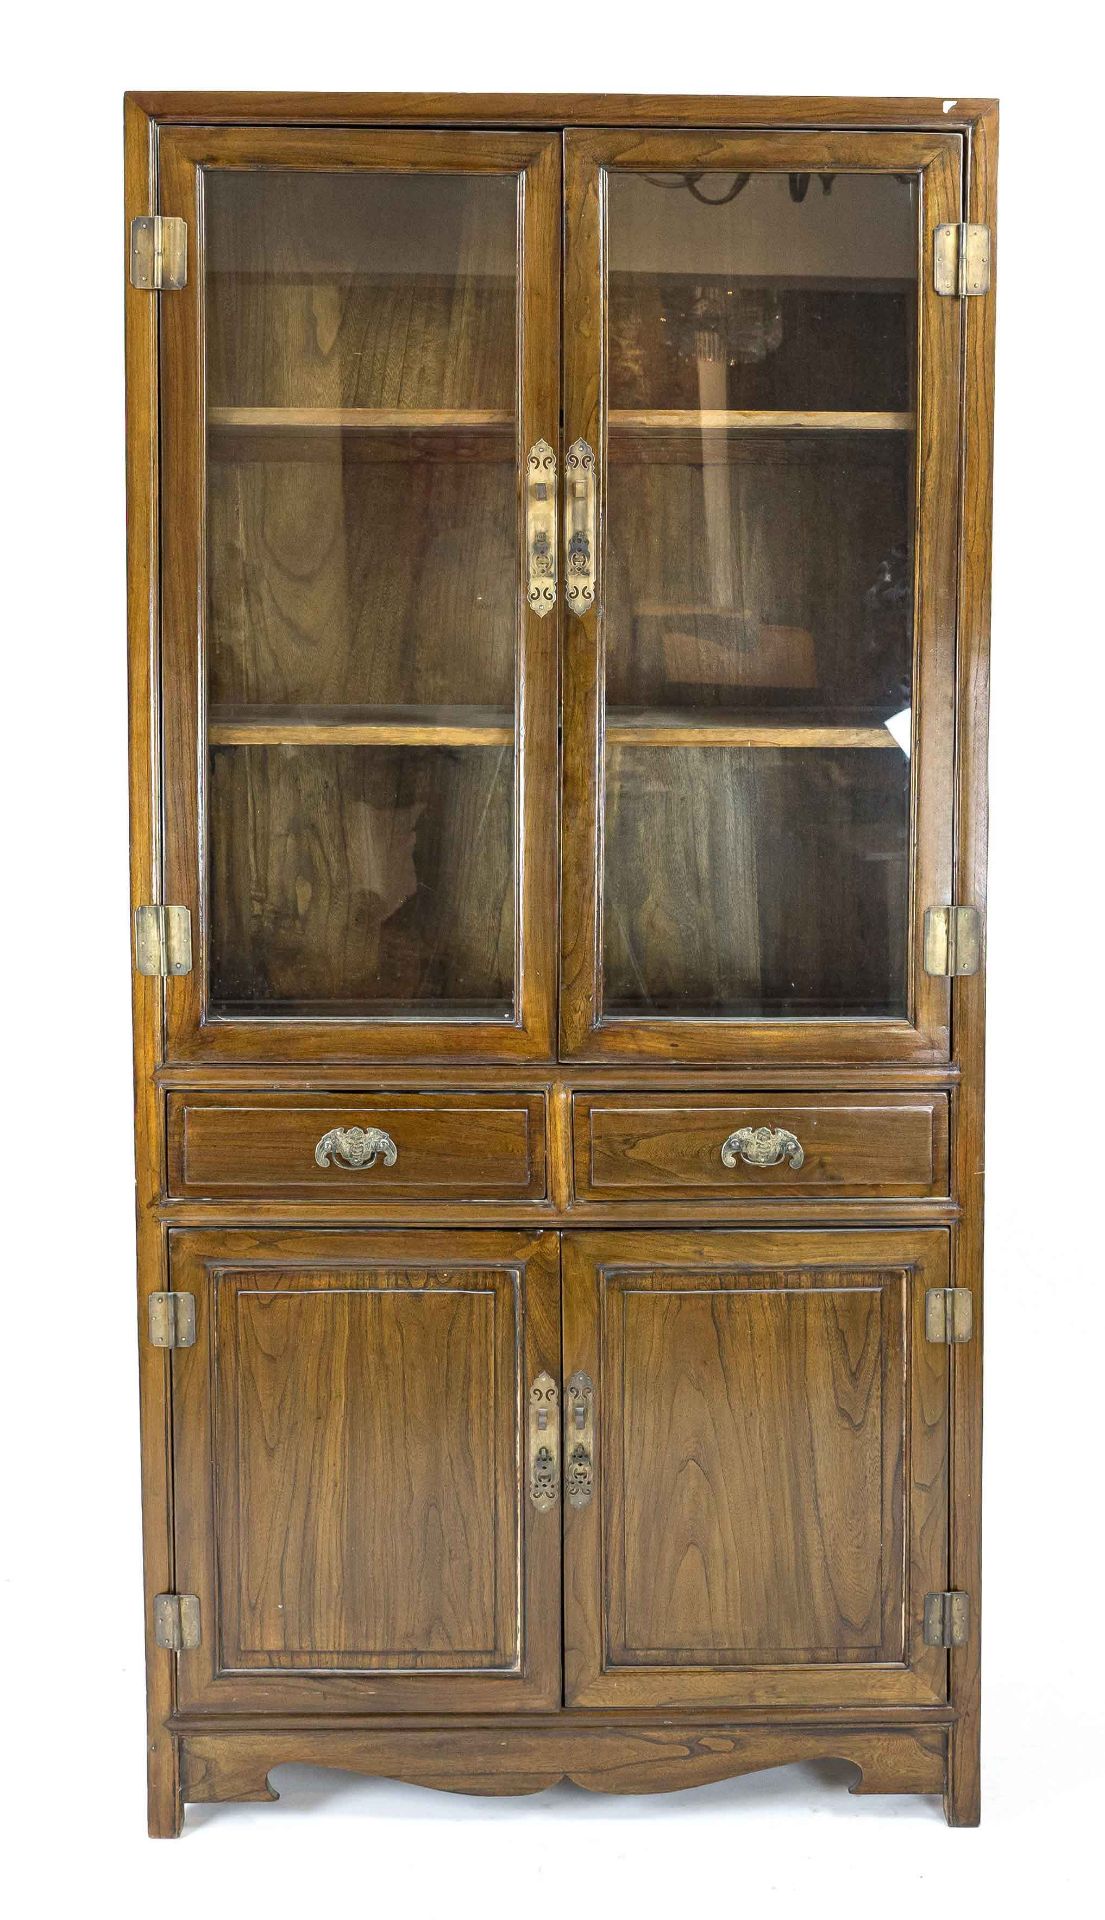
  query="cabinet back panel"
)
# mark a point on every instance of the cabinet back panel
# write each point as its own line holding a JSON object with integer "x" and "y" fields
{"x": 334, "y": 580}
{"x": 354, "y": 877}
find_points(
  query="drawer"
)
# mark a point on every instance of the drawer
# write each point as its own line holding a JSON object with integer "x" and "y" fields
{"x": 627, "y": 1146}
{"x": 438, "y": 1146}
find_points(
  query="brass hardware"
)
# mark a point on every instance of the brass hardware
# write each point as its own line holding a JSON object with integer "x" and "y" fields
{"x": 163, "y": 940}
{"x": 762, "y": 1147}
{"x": 158, "y": 252}
{"x": 947, "y": 1619}
{"x": 172, "y": 1319}
{"x": 579, "y": 529}
{"x": 544, "y": 1478}
{"x": 949, "y": 1315}
{"x": 355, "y": 1147}
{"x": 579, "y": 1439}
{"x": 541, "y": 527}
{"x": 961, "y": 259}
{"x": 176, "y": 1621}
{"x": 953, "y": 940}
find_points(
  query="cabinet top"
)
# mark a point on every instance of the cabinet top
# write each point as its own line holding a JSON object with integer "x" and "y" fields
{"x": 559, "y": 109}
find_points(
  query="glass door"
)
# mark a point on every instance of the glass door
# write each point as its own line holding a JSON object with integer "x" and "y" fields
{"x": 758, "y": 717}
{"x": 364, "y": 353}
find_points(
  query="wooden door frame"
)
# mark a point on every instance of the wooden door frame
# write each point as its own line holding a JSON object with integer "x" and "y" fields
{"x": 592, "y": 1677}
{"x": 585, "y": 1032}
{"x": 190, "y": 1033}
{"x": 196, "y": 1259}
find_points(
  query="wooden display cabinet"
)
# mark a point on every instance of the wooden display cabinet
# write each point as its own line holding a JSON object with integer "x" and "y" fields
{"x": 558, "y": 562}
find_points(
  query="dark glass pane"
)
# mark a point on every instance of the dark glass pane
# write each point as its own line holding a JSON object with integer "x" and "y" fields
{"x": 752, "y": 881}
{"x": 353, "y": 879}
{"x": 759, "y": 593}
{"x": 362, "y": 592}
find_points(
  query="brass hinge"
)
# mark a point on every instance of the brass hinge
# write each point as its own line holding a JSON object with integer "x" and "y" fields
{"x": 173, "y": 1319}
{"x": 947, "y": 1619}
{"x": 158, "y": 252}
{"x": 949, "y": 1315}
{"x": 163, "y": 940}
{"x": 953, "y": 940}
{"x": 961, "y": 259}
{"x": 176, "y": 1621}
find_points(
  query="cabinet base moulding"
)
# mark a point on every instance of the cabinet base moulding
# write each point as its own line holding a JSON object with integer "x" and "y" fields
{"x": 647, "y": 1759}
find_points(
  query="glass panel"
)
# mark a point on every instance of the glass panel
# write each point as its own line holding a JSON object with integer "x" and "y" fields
{"x": 352, "y": 880}
{"x": 759, "y": 593}
{"x": 362, "y": 592}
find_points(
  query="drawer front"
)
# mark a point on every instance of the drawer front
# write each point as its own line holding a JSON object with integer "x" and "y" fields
{"x": 628, "y": 1146}
{"x": 373, "y": 1147}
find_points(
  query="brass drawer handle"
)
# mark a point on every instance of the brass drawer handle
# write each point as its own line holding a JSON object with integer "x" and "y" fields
{"x": 355, "y": 1147}
{"x": 762, "y": 1147}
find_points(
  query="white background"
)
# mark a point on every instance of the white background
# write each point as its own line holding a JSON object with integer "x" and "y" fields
{"x": 71, "y": 1689}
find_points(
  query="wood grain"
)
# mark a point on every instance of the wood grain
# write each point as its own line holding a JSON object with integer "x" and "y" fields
{"x": 332, "y": 584}
{"x": 361, "y": 289}
{"x": 553, "y": 109}
{"x": 784, "y": 579}
{"x": 694, "y": 420}
{"x": 347, "y": 1438}
{"x": 772, "y": 1477}
{"x": 343, "y": 877}
{"x": 627, "y": 1759}
{"x": 629, "y": 1146}
{"x": 290, "y": 602}
{"x": 165, "y": 1810}
{"x": 963, "y": 1800}
{"x": 479, "y": 1147}
{"x": 341, "y": 400}
{"x": 745, "y": 882}
{"x": 358, "y": 419}
{"x": 424, "y": 726}
{"x": 621, "y": 991}
{"x": 675, "y": 727}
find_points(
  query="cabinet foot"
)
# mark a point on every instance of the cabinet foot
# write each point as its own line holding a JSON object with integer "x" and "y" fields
{"x": 482, "y": 1760}
{"x": 962, "y": 1795}
{"x": 164, "y": 1795}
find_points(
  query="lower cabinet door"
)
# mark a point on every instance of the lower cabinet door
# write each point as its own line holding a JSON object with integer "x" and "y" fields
{"x": 352, "y": 1505}
{"x": 758, "y": 1487}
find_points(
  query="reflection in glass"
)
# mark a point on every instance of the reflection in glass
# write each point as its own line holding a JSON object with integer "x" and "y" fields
{"x": 742, "y": 882}
{"x": 362, "y": 592}
{"x": 346, "y": 879}
{"x": 759, "y": 593}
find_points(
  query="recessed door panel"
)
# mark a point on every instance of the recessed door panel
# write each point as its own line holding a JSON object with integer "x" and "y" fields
{"x": 770, "y": 1496}
{"x": 348, "y": 1434}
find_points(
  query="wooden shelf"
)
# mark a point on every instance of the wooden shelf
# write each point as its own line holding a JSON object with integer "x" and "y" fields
{"x": 707, "y": 727}
{"x": 358, "y": 419}
{"x": 737, "y": 420}
{"x": 361, "y": 433}
{"x": 360, "y": 727}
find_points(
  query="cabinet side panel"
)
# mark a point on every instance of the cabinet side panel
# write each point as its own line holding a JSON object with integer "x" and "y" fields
{"x": 141, "y": 310}
{"x": 963, "y": 1801}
